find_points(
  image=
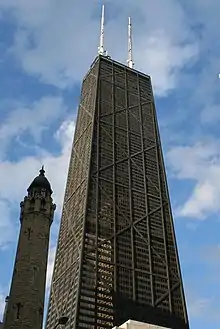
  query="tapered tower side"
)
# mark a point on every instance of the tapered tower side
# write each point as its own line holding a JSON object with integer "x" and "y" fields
{"x": 64, "y": 294}
{"x": 26, "y": 299}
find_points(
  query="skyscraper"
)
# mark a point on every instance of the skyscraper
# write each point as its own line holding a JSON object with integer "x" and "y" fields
{"x": 116, "y": 256}
{"x": 25, "y": 304}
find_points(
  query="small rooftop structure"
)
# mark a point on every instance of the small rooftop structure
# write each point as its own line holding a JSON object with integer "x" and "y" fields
{"x": 130, "y": 324}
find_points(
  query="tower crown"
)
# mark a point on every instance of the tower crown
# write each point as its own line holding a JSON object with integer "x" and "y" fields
{"x": 40, "y": 182}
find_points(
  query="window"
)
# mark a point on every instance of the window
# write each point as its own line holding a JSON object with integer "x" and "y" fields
{"x": 18, "y": 310}
{"x": 29, "y": 233}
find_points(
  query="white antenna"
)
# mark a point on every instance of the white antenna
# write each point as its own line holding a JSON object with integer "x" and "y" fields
{"x": 130, "y": 55}
{"x": 101, "y": 49}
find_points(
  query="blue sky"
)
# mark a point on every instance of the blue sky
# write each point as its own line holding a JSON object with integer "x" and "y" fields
{"x": 46, "y": 46}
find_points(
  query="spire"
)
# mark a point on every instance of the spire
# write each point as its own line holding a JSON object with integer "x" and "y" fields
{"x": 101, "y": 49}
{"x": 130, "y": 55}
{"x": 42, "y": 171}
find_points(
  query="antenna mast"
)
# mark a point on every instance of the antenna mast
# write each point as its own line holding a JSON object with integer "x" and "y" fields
{"x": 130, "y": 55}
{"x": 101, "y": 49}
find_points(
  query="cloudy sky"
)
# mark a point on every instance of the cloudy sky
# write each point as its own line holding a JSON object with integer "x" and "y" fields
{"x": 46, "y": 47}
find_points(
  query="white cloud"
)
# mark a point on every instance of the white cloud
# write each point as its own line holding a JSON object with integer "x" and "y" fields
{"x": 33, "y": 118}
{"x": 203, "y": 199}
{"x": 51, "y": 258}
{"x": 200, "y": 163}
{"x": 157, "y": 52}
{"x": 49, "y": 45}
{"x": 56, "y": 171}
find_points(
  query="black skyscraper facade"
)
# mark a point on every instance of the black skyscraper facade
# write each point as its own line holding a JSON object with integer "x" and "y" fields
{"x": 116, "y": 256}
